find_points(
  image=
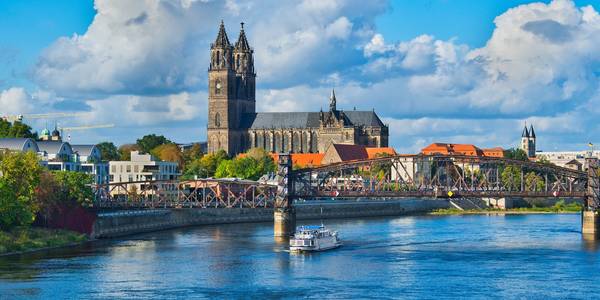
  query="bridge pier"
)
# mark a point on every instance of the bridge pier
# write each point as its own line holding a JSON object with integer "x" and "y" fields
{"x": 590, "y": 224}
{"x": 285, "y": 222}
{"x": 590, "y": 217}
{"x": 284, "y": 214}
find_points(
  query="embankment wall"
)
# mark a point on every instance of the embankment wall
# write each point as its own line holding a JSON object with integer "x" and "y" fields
{"x": 119, "y": 223}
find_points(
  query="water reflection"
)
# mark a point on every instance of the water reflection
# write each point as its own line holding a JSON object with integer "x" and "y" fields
{"x": 415, "y": 257}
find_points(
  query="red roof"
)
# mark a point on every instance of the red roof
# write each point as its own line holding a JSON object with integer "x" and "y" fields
{"x": 461, "y": 149}
{"x": 351, "y": 152}
{"x": 373, "y": 152}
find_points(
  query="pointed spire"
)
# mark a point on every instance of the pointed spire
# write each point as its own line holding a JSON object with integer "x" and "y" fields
{"x": 332, "y": 101}
{"x": 222, "y": 40}
{"x": 525, "y": 131}
{"x": 532, "y": 132}
{"x": 242, "y": 42}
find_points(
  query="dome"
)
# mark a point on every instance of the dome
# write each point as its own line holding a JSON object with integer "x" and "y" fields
{"x": 45, "y": 132}
{"x": 55, "y": 132}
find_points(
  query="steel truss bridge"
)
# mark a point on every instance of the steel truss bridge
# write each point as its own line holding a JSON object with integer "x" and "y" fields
{"x": 414, "y": 176}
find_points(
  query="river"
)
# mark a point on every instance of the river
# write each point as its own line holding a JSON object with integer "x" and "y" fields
{"x": 518, "y": 256}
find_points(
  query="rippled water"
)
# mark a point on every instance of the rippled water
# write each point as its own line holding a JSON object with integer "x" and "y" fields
{"x": 529, "y": 256}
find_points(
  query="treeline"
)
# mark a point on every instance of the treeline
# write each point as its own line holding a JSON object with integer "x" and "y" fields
{"x": 29, "y": 191}
{"x": 192, "y": 162}
{"x": 16, "y": 130}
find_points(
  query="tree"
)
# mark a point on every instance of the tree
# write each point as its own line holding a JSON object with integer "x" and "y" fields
{"x": 542, "y": 159}
{"x": 75, "y": 187}
{"x": 108, "y": 151}
{"x": 151, "y": 141}
{"x": 253, "y": 165}
{"x": 517, "y": 154}
{"x": 511, "y": 177}
{"x": 16, "y": 130}
{"x": 169, "y": 152}
{"x": 534, "y": 182}
{"x": 20, "y": 178}
{"x": 125, "y": 151}
{"x": 192, "y": 153}
{"x": 206, "y": 166}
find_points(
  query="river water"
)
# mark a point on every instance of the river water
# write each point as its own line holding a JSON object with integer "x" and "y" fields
{"x": 522, "y": 256}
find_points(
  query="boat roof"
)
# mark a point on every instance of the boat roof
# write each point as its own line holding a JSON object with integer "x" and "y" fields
{"x": 310, "y": 227}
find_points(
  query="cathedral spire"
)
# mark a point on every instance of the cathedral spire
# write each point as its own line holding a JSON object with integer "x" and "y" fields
{"x": 332, "y": 101}
{"x": 222, "y": 40}
{"x": 525, "y": 133}
{"x": 531, "y": 132}
{"x": 242, "y": 42}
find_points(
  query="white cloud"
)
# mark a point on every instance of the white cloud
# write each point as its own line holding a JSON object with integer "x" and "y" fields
{"x": 15, "y": 101}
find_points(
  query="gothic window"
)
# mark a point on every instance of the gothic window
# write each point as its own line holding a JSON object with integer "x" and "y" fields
{"x": 218, "y": 59}
{"x": 296, "y": 144}
{"x": 268, "y": 142}
{"x": 286, "y": 143}
{"x": 218, "y": 87}
{"x": 277, "y": 142}
{"x": 314, "y": 143}
{"x": 237, "y": 61}
{"x": 217, "y": 120}
{"x": 305, "y": 142}
{"x": 260, "y": 140}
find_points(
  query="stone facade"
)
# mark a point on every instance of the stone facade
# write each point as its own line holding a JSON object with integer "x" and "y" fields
{"x": 235, "y": 126}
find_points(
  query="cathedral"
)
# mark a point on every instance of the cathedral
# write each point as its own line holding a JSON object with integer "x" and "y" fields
{"x": 235, "y": 126}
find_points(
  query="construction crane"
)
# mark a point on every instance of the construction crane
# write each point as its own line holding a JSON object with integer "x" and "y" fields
{"x": 13, "y": 118}
{"x": 69, "y": 129}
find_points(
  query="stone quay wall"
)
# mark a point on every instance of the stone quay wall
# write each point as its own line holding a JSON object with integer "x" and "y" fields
{"x": 120, "y": 223}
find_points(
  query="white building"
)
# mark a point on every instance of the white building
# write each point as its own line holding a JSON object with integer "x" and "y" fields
{"x": 142, "y": 167}
{"x": 90, "y": 162}
{"x": 563, "y": 158}
{"x": 61, "y": 156}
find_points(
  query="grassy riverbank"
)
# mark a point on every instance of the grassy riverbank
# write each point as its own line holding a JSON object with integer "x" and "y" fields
{"x": 559, "y": 207}
{"x": 25, "y": 239}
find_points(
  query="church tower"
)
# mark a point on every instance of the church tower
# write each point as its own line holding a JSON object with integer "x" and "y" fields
{"x": 223, "y": 111}
{"x": 243, "y": 57}
{"x": 528, "y": 141}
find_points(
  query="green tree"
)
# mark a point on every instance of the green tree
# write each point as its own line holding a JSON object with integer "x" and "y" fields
{"x": 192, "y": 153}
{"x": 253, "y": 165}
{"x": 206, "y": 166}
{"x": 511, "y": 177}
{"x": 534, "y": 182}
{"x": 125, "y": 151}
{"x": 16, "y": 130}
{"x": 20, "y": 178}
{"x": 542, "y": 159}
{"x": 151, "y": 141}
{"x": 76, "y": 187}
{"x": 517, "y": 154}
{"x": 108, "y": 151}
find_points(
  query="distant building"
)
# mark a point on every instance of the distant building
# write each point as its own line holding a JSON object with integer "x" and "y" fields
{"x": 528, "y": 141}
{"x": 566, "y": 158}
{"x": 62, "y": 156}
{"x": 234, "y": 125}
{"x": 461, "y": 149}
{"x": 19, "y": 144}
{"x": 141, "y": 168}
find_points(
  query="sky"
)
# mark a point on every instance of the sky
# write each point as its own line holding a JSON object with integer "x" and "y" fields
{"x": 456, "y": 71}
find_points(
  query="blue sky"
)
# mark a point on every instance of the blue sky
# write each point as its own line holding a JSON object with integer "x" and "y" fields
{"x": 435, "y": 70}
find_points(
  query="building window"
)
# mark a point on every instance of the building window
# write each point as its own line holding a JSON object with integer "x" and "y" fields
{"x": 286, "y": 143}
{"x": 277, "y": 142}
{"x": 268, "y": 142}
{"x": 113, "y": 169}
{"x": 296, "y": 143}
{"x": 136, "y": 169}
{"x": 128, "y": 168}
{"x": 217, "y": 120}
{"x": 314, "y": 143}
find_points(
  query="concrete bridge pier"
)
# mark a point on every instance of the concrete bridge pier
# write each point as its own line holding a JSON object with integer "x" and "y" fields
{"x": 284, "y": 222}
{"x": 590, "y": 224}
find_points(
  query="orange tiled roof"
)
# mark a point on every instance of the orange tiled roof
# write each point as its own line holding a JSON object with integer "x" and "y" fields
{"x": 372, "y": 152}
{"x": 461, "y": 149}
{"x": 303, "y": 159}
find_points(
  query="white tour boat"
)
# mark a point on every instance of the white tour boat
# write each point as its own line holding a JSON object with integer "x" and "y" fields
{"x": 314, "y": 238}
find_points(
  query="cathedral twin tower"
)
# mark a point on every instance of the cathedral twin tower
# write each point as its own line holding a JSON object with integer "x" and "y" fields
{"x": 235, "y": 126}
{"x": 231, "y": 91}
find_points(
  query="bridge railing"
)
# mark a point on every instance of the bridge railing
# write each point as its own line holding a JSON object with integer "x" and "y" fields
{"x": 438, "y": 176}
{"x": 201, "y": 193}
